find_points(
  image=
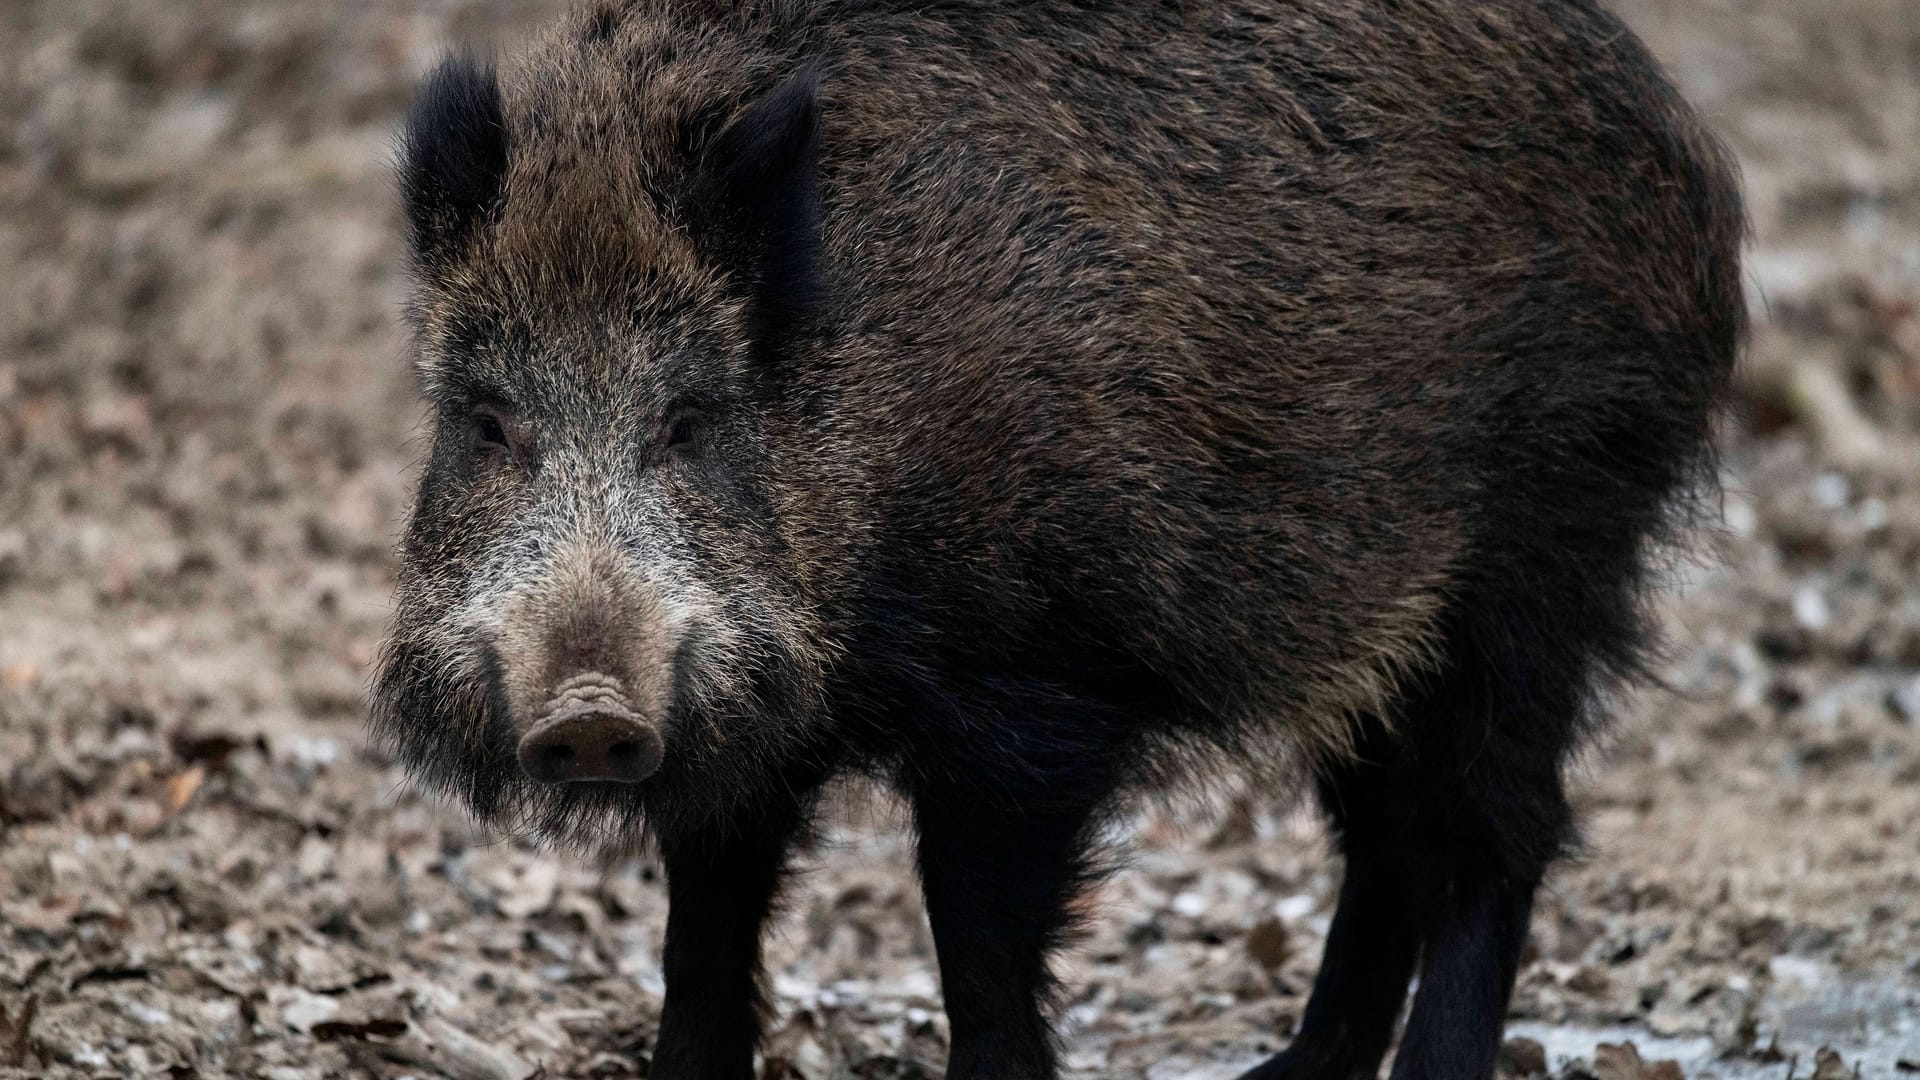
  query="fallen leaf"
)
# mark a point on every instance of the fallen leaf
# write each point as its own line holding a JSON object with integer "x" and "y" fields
{"x": 1523, "y": 1057}
{"x": 46, "y": 914}
{"x": 1269, "y": 943}
{"x": 300, "y": 1010}
{"x": 15, "y": 1032}
{"x": 209, "y": 748}
{"x": 1829, "y": 1065}
{"x": 1622, "y": 1061}
{"x": 182, "y": 785}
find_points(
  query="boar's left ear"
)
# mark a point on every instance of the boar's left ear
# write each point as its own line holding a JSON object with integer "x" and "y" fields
{"x": 762, "y": 204}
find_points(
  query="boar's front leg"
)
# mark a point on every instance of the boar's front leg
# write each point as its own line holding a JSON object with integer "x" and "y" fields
{"x": 720, "y": 888}
{"x": 997, "y": 883}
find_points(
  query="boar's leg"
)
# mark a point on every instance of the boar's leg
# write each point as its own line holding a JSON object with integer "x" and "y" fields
{"x": 997, "y": 885}
{"x": 1467, "y": 976}
{"x": 1448, "y": 822}
{"x": 720, "y": 888}
{"x": 1487, "y": 746}
{"x": 1475, "y": 930}
{"x": 1375, "y": 938}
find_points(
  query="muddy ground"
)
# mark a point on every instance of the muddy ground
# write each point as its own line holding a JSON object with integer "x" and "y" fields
{"x": 206, "y": 434}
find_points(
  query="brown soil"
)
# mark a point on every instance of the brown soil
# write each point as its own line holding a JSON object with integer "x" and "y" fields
{"x": 205, "y": 444}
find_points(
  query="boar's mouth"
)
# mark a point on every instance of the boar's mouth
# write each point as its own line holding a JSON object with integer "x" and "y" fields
{"x": 444, "y": 710}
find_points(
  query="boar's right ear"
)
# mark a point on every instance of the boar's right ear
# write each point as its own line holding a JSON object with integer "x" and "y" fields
{"x": 762, "y": 212}
{"x": 453, "y": 156}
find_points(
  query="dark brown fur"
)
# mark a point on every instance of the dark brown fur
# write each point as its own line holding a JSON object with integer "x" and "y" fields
{"x": 1085, "y": 387}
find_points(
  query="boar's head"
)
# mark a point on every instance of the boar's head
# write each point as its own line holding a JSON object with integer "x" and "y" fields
{"x": 605, "y": 613}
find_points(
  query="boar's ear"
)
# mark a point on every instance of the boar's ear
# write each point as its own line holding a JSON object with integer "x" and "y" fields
{"x": 762, "y": 205}
{"x": 453, "y": 156}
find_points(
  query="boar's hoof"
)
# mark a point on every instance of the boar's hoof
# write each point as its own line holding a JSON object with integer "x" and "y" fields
{"x": 588, "y": 732}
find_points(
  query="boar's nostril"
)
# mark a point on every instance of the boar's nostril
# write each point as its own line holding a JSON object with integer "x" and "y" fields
{"x": 589, "y": 733}
{"x": 549, "y": 761}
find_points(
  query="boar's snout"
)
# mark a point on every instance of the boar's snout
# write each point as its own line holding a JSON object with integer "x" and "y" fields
{"x": 589, "y": 731}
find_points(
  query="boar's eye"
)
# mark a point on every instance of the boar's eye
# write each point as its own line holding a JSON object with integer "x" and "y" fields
{"x": 490, "y": 430}
{"x": 682, "y": 426}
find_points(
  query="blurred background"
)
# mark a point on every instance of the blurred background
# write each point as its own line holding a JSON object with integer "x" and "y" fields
{"x": 207, "y": 434}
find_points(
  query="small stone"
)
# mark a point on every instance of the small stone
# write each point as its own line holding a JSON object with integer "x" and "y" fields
{"x": 1294, "y": 908}
{"x": 1904, "y": 700}
{"x": 141, "y": 817}
{"x": 1831, "y": 491}
{"x": 1810, "y": 608}
{"x": 1740, "y": 517}
{"x": 1874, "y": 515}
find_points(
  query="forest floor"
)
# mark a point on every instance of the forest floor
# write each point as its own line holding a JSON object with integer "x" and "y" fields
{"x": 206, "y": 439}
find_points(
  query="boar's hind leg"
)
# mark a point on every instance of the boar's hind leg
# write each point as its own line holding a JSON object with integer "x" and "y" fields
{"x": 1488, "y": 748}
{"x": 720, "y": 889}
{"x": 1447, "y": 822}
{"x": 1375, "y": 940}
{"x": 997, "y": 885}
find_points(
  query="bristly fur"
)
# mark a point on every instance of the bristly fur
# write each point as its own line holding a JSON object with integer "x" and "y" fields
{"x": 453, "y": 155}
{"x": 1031, "y": 403}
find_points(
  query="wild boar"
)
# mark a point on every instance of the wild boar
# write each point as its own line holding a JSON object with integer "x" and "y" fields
{"x": 1031, "y": 405}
